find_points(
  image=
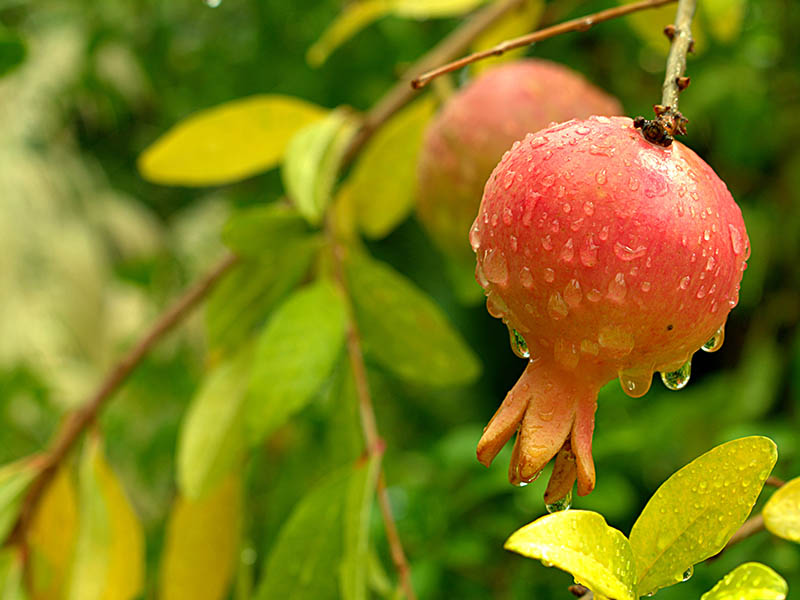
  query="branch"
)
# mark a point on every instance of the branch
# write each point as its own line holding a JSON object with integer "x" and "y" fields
{"x": 669, "y": 121}
{"x": 579, "y": 24}
{"x": 77, "y": 422}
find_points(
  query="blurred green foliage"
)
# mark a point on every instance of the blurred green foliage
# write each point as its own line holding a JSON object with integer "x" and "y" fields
{"x": 90, "y": 253}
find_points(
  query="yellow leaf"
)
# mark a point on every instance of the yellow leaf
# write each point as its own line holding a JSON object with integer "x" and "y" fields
{"x": 429, "y": 9}
{"x": 353, "y": 18}
{"x": 517, "y": 22}
{"x": 201, "y": 546}
{"x": 782, "y": 511}
{"x": 52, "y": 537}
{"x": 228, "y": 142}
{"x": 649, "y": 25}
{"x": 723, "y": 17}
{"x": 581, "y": 543}
{"x": 383, "y": 182}
{"x": 750, "y": 581}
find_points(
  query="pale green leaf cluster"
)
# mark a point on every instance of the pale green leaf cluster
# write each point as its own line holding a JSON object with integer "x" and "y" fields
{"x": 750, "y": 581}
{"x": 782, "y": 511}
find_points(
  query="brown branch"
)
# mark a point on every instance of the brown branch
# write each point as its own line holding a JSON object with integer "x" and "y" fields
{"x": 579, "y": 24}
{"x": 76, "y": 423}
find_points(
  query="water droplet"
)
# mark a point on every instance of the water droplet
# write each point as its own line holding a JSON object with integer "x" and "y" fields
{"x": 588, "y": 208}
{"x": 576, "y": 224}
{"x": 508, "y": 215}
{"x": 480, "y": 277}
{"x": 566, "y": 353}
{"x": 514, "y": 243}
{"x": 582, "y": 130}
{"x": 635, "y": 383}
{"x": 567, "y": 251}
{"x": 555, "y": 226}
{"x": 736, "y": 239}
{"x": 590, "y": 347}
{"x": 475, "y": 237}
{"x": 566, "y": 207}
{"x": 548, "y": 180}
{"x": 495, "y": 267}
{"x": 701, "y": 291}
{"x": 547, "y": 242}
{"x": 618, "y": 341}
{"x": 588, "y": 252}
{"x": 572, "y": 293}
{"x": 527, "y": 215}
{"x": 601, "y": 150}
{"x": 687, "y": 574}
{"x": 594, "y": 295}
{"x": 496, "y": 306}
{"x": 677, "y": 380}
{"x": 603, "y": 235}
{"x": 617, "y": 288}
{"x": 213, "y": 3}
{"x": 715, "y": 342}
{"x": 706, "y": 235}
{"x": 601, "y": 177}
{"x": 508, "y": 179}
{"x": 646, "y": 286}
{"x": 556, "y": 307}
{"x": 627, "y": 253}
{"x": 549, "y": 275}
{"x": 495, "y": 220}
{"x": 518, "y": 345}
{"x": 564, "y": 503}
{"x": 685, "y": 282}
{"x": 548, "y": 155}
{"x": 526, "y": 278}
{"x": 539, "y": 140}
{"x": 633, "y": 184}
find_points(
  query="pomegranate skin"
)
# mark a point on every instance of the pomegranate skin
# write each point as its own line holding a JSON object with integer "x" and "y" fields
{"x": 477, "y": 124}
{"x": 611, "y": 257}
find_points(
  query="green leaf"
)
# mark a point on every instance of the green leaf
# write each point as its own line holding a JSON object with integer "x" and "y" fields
{"x": 696, "y": 511}
{"x": 782, "y": 511}
{"x": 581, "y": 543}
{"x": 383, "y": 182}
{"x": 245, "y": 298}
{"x": 649, "y": 26}
{"x": 723, "y": 18}
{"x": 354, "y": 17}
{"x": 14, "y": 481}
{"x": 750, "y": 581}
{"x": 261, "y": 231}
{"x": 429, "y": 9}
{"x": 404, "y": 330}
{"x": 12, "y": 50}
{"x": 227, "y": 143}
{"x": 357, "y": 510}
{"x": 12, "y": 581}
{"x": 202, "y": 544}
{"x": 295, "y": 354}
{"x": 312, "y": 162}
{"x": 211, "y": 443}
{"x": 518, "y": 21}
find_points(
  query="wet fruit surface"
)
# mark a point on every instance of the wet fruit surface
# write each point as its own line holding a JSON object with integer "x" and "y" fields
{"x": 609, "y": 257}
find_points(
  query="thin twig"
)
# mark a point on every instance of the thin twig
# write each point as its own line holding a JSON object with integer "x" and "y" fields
{"x": 579, "y": 24}
{"x": 774, "y": 481}
{"x": 77, "y": 422}
{"x": 669, "y": 121}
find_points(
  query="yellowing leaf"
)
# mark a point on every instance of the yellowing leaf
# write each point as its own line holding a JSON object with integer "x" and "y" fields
{"x": 312, "y": 162}
{"x": 723, "y": 18}
{"x": 750, "y": 581}
{"x": 354, "y": 17}
{"x": 404, "y": 330}
{"x": 383, "y": 182}
{"x": 12, "y": 581}
{"x": 14, "y": 480}
{"x": 201, "y": 544}
{"x": 581, "y": 543}
{"x": 227, "y": 143}
{"x": 211, "y": 441}
{"x": 696, "y": 511}
{"x": 52, "y": 537}
{"x": 109, "y": 553}
{"x": 428, "y": 9}
{"x": 782, "y": 511}
{"x": 294, "y": 355}
{"x": 649, "y": 25}
{"x": 519, "y": 21}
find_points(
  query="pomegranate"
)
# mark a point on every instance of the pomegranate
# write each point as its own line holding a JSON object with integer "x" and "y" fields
{"x": 467, "y": 138}
{"x": 606, "y": 256}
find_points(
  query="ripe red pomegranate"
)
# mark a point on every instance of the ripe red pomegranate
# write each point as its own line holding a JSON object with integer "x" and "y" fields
{"x": 467, "y": 138}
{"x": 606, "y": 256}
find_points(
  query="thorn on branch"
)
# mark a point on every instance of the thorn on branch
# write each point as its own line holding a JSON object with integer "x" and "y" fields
{"x": 690, "y": 50}
{"x": 669, "y": 31}
{"x": 683, "y": 82}
{"x": 578, "y": 590}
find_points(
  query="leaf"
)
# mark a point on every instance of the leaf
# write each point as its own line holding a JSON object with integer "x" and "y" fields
{"x": 245, "y": 298}
{"x": 12, "y": 581}
{"x": 404, "y": 330}
{"x": 581, "y": 543}
{"x": 519, "y": 21}
{"x": 723, "y": 18}
{"x": 312, "y": 161}
{"x": 357, "y": 510}
{"x": 14, "y": 480}
{"x": 750, "y": 581}
{"x": 202, "y": 544}
{"x": 109, "y": 552}
{"x": 211, "y": 442}
{"x": 429, "y": 9}
{"x": 649, "y": 26}
{"x": 353, "y": 18}
{"x": 696, "y": 511}
{"x": 261, "y": 231}
{"x": 383, "y": 182}
{"x": 227, "y": 143}
{"x": 12, "y": 50}
{"x": 295, "y": 354}
{"x": 782, "y": 511}
{"x": 52, "y": 535}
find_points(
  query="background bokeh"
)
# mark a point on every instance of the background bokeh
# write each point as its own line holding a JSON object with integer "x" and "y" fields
{"x": 90, "y": 253}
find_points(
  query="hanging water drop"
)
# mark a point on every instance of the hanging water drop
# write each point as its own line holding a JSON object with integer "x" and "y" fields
{"x": 564, "y": 503}
{"x": 715, "y": 342}
{"x": 635, "y": 383}
{"x": 677, "y": 380}
{"x": 518, "y": 345}
{"x": 687, "y": 574}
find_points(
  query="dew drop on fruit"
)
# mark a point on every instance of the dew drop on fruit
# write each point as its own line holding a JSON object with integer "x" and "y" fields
{"x": 582, "y": 130}
{"x": 594, "y": 295}
{"x": 475, "y": 237}
{"x": 601, "y": 177}
{"x": 480, "y": 276}
{"x": 508, "y": 215}
{"x": 588, "y": 208}
{"x": 495, "y": 267}
{"x": 549, "y": 275}
{"x": 556, "y": 307}
{"x": 685, "y": 282}
{"x": 514, "y": 243}
{"x": 590, "y": 347}
{"x": 508, "y": 179}
{"x": 618, "y": 341}
{"x": 496, "y": 306}
{"x": 526, "y": 278}
{"x": 646, "y": 286}
{"x": 627, "y": 253}
{"x": 736, "y": 239}
{"x": 617, "y": 289}
{"x": 567, "y": 251}
{"x": 564, "y": 503}
{"x": 715, "y": 342}
{"x": 677, "y": 380}
{"x": 633, "y": 184}
{"x": 635, "y": 383}
{"x": 547, "y": 242}
{"x": 539, "y": 140}
{"x": 603, "y": 235}
{"x": 572, "y": 293}
{"x": 588, "y": 252}
{"x": 566, "y": 353}
{"x": 548, "y": 180}
{"x": 518, "y": 345}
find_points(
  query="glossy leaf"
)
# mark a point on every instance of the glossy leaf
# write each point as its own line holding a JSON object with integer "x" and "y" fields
{"x": 295, "y": 354}
{"x": 109, "y": 552}
{"x": 312, "y": 161}
{"x": 227, "y": 143}
{"x": 245, "y": 298}
{"x": 404, "y": 330}
{"x": 383, "y": 182}
{"x": 750, "y": 581}
{"x": 202, "y": 544}
{"x": 581, "y": 543}
{"x": 515, "y": 23}
{"x": 261, "y": 231}
{"x": 696, "y": 511}
{"x": 52, "y": 536}
{"x": 357, "y": 510}
{"x": 212, "y": 442}
{"x": 14, "y": 481}
{"x": 782, "y": 511}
